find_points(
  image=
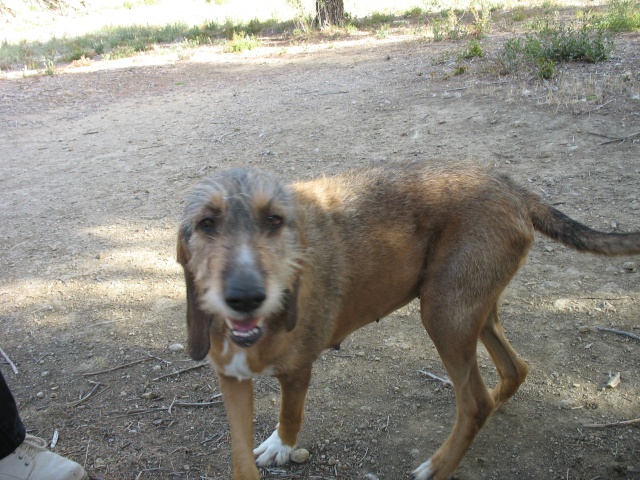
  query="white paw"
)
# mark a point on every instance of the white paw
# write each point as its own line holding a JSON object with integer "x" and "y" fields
{"x": 423, "y": 472}
{"x": 272, "y": 451}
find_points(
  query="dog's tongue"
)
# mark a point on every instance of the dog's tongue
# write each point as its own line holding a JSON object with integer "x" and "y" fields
{"x": 245, "y": 333}
{"x": 244, "y": 325}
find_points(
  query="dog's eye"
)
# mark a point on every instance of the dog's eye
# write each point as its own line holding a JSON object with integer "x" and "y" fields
{"x": 274, "y": 221}
{"x": 207, "y": 225}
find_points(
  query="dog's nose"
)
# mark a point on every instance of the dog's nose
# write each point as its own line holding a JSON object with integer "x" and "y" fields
{"x": 244, "y": 292}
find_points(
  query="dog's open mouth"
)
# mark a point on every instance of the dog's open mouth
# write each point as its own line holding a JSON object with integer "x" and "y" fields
{"x": 245, "y": 332}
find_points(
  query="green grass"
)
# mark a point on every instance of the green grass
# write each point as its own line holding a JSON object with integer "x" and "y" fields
{"x": 549, "y": 40}
{"x": 241, "y": 41}
{"x": 120, "y": 42}
{"x": 555, "y": 43}
{"x": 622, "y": 16}
{"x": 472, "y": 50}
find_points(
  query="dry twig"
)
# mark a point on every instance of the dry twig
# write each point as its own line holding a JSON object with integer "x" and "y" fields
{"x": 620, "y": 140}
{"x": 621, "y": 423}
{"x": 173, "y": 374}
{"x": 88, "y": 395}
{"x": 120, "y": 366}
{"x": 619, "y": 332}
{"x": 435, "y": 377}
{"x": 15, "y": 370}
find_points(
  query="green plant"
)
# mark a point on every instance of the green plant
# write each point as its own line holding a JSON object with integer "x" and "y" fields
{"x": 553, "y": 43}
{"x": 241, "y": 41}
{"x": 518, "y": 14}
{"x": 460, "y": 70}
{"x": 414, "y": 12}
{"x": 49, "y": 67}
{"x": 438, "y": 30}
{"x": 622, "y": 16}
{"x": 481, "y": 11}
{"x": 382, "y": 32}
{"x": 572, "y": 43}
{"x": 546, "y": 68}
{"x": 381, "y": 17}
{"x": 472, "y": 50}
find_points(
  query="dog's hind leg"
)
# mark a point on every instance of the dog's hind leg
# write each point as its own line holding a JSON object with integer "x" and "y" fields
{"x": 456, "y": 340}
{"x": 276, "y": 449}
{"x": 512, "y": 369}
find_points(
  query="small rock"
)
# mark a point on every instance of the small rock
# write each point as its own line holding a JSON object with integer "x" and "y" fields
{"x": 176, "y": 347}
{"x": 45, "y": 373}
{"x": 584, "y": 329}
{"x": 613, "y": 381}
{"x": 566, "y": 404}
{"x": 629, "y": 267}
{"x": 549, "y": 248}
{"x": 40, "y": 394}
{"x": 99, "y": 463}
{"x": 300, "y": 455}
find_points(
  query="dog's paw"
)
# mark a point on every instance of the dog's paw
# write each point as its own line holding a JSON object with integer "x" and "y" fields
{"x": 424, "y": 472}
{"x": 272, "y": 451}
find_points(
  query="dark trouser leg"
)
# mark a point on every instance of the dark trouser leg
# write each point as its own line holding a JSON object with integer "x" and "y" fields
{"x": 12, "y": 430}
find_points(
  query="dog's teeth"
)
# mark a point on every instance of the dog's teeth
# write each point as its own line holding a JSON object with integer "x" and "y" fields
{"x": 249, "y": 333}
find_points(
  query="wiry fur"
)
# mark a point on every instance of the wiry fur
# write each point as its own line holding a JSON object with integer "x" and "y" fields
{"x": 294, "y": 269}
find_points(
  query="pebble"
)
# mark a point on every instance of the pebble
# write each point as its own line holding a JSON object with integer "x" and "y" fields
{"x": 176, "y": 347}
{"x": 584, "y": 329}
{"x": 300, "y": 455}
{"x": 629, "y": 267}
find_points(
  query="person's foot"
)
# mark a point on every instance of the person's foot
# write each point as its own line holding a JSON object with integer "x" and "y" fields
{"x": 32, "y": 461}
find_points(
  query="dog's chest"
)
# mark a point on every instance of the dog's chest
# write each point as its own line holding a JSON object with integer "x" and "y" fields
{"x": 235, "y": 364}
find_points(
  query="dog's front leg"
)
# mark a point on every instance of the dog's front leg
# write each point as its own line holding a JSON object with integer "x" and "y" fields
{"x": 276, "y": 449}
{"x": 238, "y": 403}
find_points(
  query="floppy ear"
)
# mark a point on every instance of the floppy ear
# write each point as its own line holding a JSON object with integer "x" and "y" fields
{"x": 198, "y": 322}
{"x": 292, "y": 307}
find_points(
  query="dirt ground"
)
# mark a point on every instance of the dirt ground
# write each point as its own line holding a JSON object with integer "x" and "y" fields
{"x": 95, "y": 163}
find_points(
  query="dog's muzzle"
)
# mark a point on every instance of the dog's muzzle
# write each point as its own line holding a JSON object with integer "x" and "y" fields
{"x": 244, "y": 293}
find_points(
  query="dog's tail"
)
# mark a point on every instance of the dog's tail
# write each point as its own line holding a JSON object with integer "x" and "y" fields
{"x": 558, "y": 226}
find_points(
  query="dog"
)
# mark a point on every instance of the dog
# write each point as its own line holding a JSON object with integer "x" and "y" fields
{"x": 276, "y": 273}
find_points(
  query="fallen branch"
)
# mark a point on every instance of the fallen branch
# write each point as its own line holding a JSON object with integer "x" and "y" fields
{"x": 621, "y": 423}
{"x": 119, "y": 367}
{"x": 173, "y": 374}
{"x": 141, "y": 411}
{"x": 435, "y": 377}
{"x": 88, "y": 395}
{"x": 194, "y": 404}
{"x": 619, "y": 332}
{"x": 599, "y": 107}
{"x": 15, "y": 370}
{"x": 621, "y": 140}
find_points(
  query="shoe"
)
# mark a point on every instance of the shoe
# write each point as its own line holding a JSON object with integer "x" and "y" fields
{"x": 33, "y": 461}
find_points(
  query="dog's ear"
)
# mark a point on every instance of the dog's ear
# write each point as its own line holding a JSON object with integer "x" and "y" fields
{"x": 292, "y": 307}
{"x": 198, "y": 322}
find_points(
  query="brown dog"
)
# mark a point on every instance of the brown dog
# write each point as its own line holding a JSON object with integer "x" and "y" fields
{"x": 276, "y": 273}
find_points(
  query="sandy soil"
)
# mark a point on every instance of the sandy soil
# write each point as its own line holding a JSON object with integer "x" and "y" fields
{"x": 95, "y": 164}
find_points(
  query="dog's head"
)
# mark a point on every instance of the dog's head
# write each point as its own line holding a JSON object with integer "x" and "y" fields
{"x": 239, "y": 249}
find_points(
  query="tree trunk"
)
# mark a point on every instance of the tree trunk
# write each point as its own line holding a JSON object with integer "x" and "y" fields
{"x": 329, "y": 12}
